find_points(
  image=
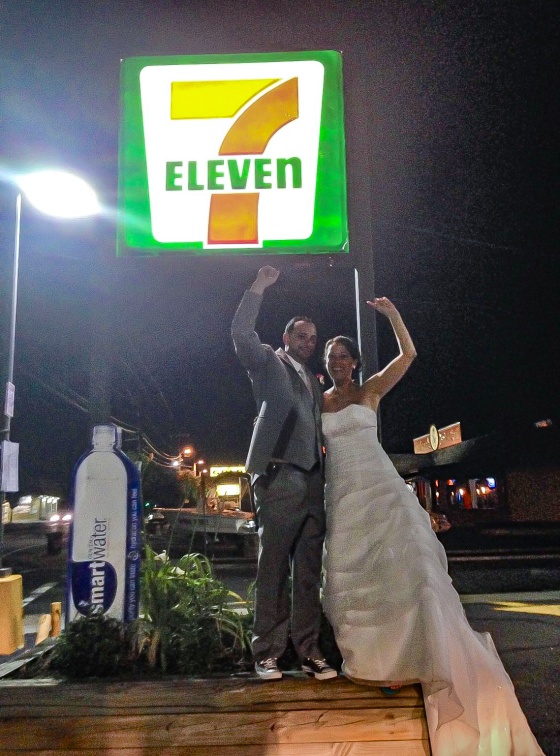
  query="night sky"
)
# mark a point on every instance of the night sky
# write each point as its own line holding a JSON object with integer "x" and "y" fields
{"x": 452, "y": 128}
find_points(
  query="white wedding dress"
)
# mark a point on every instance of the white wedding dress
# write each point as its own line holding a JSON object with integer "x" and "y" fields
{"x": 394, "y": 611}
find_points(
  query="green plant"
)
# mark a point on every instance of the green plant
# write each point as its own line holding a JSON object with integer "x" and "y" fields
{"x": 94, "y": 646}
{"x": 191, "y": 623}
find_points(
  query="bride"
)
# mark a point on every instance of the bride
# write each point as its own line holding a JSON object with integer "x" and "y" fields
{"x": 396, "y": 616}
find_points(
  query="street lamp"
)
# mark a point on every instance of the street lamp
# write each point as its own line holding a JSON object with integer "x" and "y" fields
{"x": 61, "y": 195}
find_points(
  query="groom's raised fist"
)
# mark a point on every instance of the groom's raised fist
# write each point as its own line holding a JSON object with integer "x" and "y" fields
{"x": 266, "y": 276}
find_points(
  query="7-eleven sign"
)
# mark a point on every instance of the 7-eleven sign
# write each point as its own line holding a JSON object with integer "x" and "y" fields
{"x": 239, "y": 153}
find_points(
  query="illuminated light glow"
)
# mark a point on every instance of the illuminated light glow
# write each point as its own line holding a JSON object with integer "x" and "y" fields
{"x": 228, "y": 489}
{"x": 462, "y": 491}
{"x": 437, "y": 494}
{"x": 60, "y": 194}
{"x": 233, "y": 219}
{"x": 491, "y": 482}
{"x": 213, "y": 99}
{"x": 175, "y": 463}
{"x": 543, "y": 423}
{"x": 266, "y": 124}
{"x": 219, "y": 469}
{"x": 483, "y": 489}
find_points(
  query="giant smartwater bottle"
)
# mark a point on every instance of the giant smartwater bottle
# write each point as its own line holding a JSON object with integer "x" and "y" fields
{"x": 105, "y": 540}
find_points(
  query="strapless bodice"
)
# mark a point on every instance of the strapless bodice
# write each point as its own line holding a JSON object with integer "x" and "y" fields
{"x": 353, "y": 448}
{"x": 354, "y": 417}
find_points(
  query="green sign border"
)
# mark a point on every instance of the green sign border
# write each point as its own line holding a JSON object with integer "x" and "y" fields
{"x": 330, "y": 231}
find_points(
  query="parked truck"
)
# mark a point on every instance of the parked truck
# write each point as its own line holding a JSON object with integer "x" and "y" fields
{"x": 223, "y": 516}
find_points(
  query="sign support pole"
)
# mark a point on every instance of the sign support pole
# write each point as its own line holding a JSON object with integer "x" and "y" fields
{"x": 360, "y": 207}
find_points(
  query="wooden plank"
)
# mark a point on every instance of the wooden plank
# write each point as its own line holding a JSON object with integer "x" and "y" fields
{"x": 44, "y": 628}
{"x": 235, "y": 728}
{"x": 185, "y": 695}
{"x": 385, "y": 748}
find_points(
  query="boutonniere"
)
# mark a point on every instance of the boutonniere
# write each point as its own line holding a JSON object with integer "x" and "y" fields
{"x": 321, "y": 378}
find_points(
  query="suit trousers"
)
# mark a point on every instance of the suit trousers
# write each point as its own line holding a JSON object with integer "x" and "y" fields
{"x": 291, "y": 513}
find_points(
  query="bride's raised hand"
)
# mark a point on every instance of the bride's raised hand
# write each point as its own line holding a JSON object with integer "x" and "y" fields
{"x": 384, "y": 306}
{"x": 385, "y": 379}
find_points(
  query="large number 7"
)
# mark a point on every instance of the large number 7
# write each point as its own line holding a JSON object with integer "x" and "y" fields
{"x": 233, "y": 217}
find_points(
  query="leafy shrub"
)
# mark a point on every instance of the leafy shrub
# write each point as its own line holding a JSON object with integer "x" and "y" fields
{"x": 94, "y": 646}
{"x": 188, "y": 625}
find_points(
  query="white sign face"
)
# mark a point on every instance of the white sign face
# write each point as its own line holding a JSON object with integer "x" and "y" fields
{"x": 10, "y": 467}
{"x": 206, "y": 152}
{"x": 10, "y": 399}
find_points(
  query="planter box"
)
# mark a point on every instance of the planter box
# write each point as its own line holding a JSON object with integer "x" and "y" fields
{"x": 235, "y": 716}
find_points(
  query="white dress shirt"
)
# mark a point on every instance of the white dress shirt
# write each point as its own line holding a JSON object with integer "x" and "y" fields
{"x": 303, "y": 374}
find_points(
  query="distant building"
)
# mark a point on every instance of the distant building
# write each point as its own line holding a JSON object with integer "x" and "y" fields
{"x": 489, "y": 478}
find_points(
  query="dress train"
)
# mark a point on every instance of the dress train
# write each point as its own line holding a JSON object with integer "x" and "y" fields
{"x": 394, "y": 611}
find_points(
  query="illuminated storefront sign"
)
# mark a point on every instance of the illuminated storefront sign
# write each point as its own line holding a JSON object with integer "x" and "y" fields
{"x": 438, "y": 439}
{"x": 216, "y": 470}
{"x": 238, "y": 153}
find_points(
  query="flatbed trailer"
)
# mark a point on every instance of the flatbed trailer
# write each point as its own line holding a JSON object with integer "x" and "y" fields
{"x": 235, "y": 528}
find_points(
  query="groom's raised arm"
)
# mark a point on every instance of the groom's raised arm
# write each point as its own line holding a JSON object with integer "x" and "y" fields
{"x": 248, "y": 346}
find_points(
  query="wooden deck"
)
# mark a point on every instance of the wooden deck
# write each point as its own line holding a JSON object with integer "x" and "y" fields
{"x": 213, "y": 717}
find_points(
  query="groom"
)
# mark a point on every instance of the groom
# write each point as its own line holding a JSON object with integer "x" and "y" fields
{"x": 286, "y": 463}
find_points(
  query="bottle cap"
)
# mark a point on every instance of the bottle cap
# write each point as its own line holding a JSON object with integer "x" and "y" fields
{"x": 104, "y": 437}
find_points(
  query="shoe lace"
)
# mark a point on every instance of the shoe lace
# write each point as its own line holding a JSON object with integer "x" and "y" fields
{"x": 320, "y": 663}
{"x": 269, "y": 663}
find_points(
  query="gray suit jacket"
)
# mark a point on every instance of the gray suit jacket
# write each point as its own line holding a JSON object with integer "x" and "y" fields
{"x": 286, "y": 414}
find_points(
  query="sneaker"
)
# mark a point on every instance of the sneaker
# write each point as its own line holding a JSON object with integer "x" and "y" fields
{"x": 318, "y": 668}
{"x": 267, "y": 669}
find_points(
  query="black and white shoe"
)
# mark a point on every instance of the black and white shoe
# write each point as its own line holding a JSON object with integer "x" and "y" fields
{"x": 267, "y": 669}
{"x": 319, "y": 669}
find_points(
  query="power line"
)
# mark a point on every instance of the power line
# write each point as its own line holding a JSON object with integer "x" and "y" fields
{"x": 34, "y": 377}
{"x": 142, "y": 367}
{"x": 163, "y": 455}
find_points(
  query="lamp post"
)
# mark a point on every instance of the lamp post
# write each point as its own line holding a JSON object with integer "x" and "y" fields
{"x": 60, "y": 195}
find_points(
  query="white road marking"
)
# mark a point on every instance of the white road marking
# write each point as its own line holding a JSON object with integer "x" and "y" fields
{"x": 38, "y": 592}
